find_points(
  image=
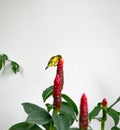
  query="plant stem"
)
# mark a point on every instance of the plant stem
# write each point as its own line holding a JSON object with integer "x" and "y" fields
{"x": 51, "y": 126}
{"x": 102, "y": 125}
{"x": 103, "y": 120}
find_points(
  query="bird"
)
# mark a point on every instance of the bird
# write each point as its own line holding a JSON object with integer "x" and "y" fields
{"x": 53, "y": 61}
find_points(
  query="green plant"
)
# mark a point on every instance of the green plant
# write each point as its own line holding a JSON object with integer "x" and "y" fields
{"x": 63, "y": 112}
{"x": 13, "y": 65}
{"x": 106, "y": 111}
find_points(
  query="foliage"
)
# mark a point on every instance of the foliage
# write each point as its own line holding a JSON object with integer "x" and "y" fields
{"x": 108, "y": 111}
{"x": 41, "y": 118}
{"x": 49, "y": 118}
{"x": 13, "y": 65}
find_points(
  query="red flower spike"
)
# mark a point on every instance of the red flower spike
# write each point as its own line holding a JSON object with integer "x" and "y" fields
{"x": 57, "y": 93}
{"x": 83, "y": 117}
{"x": 60, "y": 71}
{"x": 104, "y": 103}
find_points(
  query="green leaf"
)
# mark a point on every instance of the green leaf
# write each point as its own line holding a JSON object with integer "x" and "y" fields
{"x": 98, "y": 118}
{"x": 47, "y": 126}
{"x": 36, "y": 114}
{"x": 115, "y": 128}
{"x": 29, "y": 107}
{"x": 47, "y": 93}
{"x": 71, "y": 102}
{"x": 49, "y": 106}
{"x": 99, "y": 104}
{"x": 68, "y": 111}
{"x": 94, "y": 112}
{"x": 39, "y": 117}
{"x": 4, "y": 58}
{"x": 118, "y": 100}
{"x": 0, "y": 64}
{"x": 60, "y": 121}
{"x": 118, "y": 113}
{"x": 74, "y": 129}
{"x": 15, "y": 67}
{"x": 25, "y": 126}
{"x": 114, "y": 114}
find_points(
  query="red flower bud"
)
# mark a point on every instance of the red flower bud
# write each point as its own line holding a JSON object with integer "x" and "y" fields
{"x": 57, "y": 93}
{"x": 104, "y": 103}
{"x": 60, "y": 72}
{"x": 83, "y": 117}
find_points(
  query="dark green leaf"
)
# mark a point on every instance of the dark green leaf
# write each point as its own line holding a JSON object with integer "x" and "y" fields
{"x": 69, "y": 118}
{"x": 39, "y": 117}
{"x": 114, "y": 114}
{"x": 94, "y": 112}
{"x": 115, "y": 128}
{"x": 25, "y": 126}
{"x": 29, "y": 107}
{"x": 47, "y": 93}
{"x": 60, "y": 121}
{"x": 47, "y": 126}
{"x": 99, "y": 104}
{"x": 68, "y": 111}
{"x": 71, "y": 102}
{"x": 118, "y": 113}
{"x": 49, "y": 106}
{"x": 0, "y": 64}
{"x": 4, "y": 58}
{"x": 118, "y": 99}
{"x": 15, "y": 67}
{"x": 66, "y": 108}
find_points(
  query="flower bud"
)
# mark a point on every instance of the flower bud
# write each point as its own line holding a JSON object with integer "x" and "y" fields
{"x": 57, "y": 93}
{"x": 104, "y": 103}
{"x": 60, "y": 71}
{"x": 83, "y": 117}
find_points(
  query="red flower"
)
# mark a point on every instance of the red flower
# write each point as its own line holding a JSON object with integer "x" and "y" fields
{"x": 60, "y": 72}
{"x": 57, "y": 93}
{"x": 104, "y": 103}
{"x": 83, "y": 117}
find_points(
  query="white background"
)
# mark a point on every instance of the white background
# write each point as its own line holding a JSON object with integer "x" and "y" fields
{"x": 85, "y": 32}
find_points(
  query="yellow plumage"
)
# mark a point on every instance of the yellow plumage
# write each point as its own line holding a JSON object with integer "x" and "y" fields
{"x": 53, "y": 61}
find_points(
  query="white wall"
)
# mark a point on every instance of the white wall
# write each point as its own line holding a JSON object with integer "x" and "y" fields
{"x": 85, "y": 32}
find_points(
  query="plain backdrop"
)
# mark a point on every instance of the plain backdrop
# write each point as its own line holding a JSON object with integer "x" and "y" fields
{"x": 85, "y": 32}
